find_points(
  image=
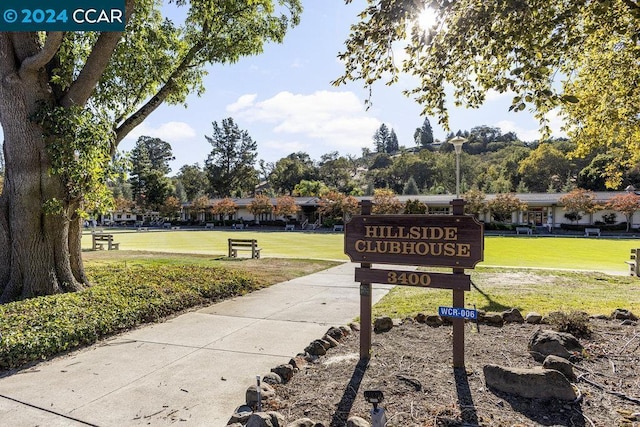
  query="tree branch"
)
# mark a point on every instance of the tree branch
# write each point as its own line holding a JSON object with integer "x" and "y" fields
{"x": 98, "y": 60}
{"x": 143, "y": 112}
{"x": 40, "y": 59}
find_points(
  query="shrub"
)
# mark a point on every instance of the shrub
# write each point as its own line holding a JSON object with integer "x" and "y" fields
{"x": 121, "y": 298}
{"x": 575, "y": 322}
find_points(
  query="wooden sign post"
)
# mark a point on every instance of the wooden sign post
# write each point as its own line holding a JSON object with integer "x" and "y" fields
{"x": 455, "y": 241}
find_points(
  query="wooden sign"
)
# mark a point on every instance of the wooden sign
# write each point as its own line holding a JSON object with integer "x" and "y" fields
{"x": 414, "y": 278}
{"x": 435, "y": 240}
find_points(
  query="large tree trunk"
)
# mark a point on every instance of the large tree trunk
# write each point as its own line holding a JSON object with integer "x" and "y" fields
{"x": 35, "y": 250}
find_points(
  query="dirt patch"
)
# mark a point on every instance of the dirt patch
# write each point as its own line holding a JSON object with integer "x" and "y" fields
{"x": 411, "y": 364}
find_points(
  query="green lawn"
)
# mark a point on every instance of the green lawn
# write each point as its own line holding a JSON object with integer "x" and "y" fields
{"x": 574, "y": 253}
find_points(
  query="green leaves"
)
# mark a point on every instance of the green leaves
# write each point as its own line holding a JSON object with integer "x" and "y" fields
{"x": 122, "y": 298}
{"x": 526, "y": 47}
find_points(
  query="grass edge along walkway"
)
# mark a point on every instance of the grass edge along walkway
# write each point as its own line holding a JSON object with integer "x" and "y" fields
{"x": 572, "y": 253}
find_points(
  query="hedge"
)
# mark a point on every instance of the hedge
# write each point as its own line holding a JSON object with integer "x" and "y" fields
{"x": 122, "y": 298}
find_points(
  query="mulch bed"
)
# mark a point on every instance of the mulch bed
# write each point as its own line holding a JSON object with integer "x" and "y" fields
{"x": 412, "y": 365}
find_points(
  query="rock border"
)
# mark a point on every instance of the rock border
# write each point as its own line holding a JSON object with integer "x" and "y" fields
{"x": 552, "y": 379}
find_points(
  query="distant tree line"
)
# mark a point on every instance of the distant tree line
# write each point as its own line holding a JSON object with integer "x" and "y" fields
{"x": 490, "y": 162}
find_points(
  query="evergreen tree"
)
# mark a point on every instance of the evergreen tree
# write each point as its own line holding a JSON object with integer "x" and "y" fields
{"x": 410, "y": 188}
{"x": 230, "y": 165}
{"x": 380, "y": 138}
{"x": 424, "y": 135}
{"x": 392, "y": 145}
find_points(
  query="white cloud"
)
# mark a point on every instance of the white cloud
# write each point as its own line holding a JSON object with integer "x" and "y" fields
{"x": 245, "y": 101}
{"x": 555, "y": 124}
{"x": 169, "y": 131}
{"x": 523, "y": 134}
{"x": 330, "y": 120}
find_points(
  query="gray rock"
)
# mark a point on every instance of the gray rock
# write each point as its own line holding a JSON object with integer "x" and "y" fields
{"x": 545, "y": 342}
{"x": 628, "y": 322}
{"x": 493, "y": 319}
{"x": 298, "y": 362}
{"x": 512, "y": 315}
{"x": 285, "y": 371}
{"x": 345, "y": 330}
{"x": 266, "y": 419}
{"x": 316, "y": 348}
{"x": 272, "y": 378}
{"x": 302, "y": 422}
{"x": 623, "y": 314}
{"x": 559, "y": 364}
{"x": 357, "y": 422}
{"x": 335, "y": 333}
{"x": 433, "y": 321}
{"x": 241, "y": 415}
{"x": 266, "y": 392}
{"x": 382, "y": 324}
{"x": 332, "y": 342}
{"x": 354, "y": 326}
{"x": 420, "y": 318}
{"x": 533, "y": 318}
{"x": 533, "y": 383}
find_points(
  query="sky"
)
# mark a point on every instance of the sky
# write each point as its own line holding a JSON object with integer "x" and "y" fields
{"x": 284, "y": 99}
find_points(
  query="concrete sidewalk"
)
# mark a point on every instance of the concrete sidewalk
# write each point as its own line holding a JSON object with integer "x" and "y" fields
{"x": 191, "y": 370}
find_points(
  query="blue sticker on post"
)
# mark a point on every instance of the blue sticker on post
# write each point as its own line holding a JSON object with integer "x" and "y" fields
{"x": 62, "y": 15}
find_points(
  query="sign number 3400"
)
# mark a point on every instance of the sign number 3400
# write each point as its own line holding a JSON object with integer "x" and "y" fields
{"x": 409, "y": 278}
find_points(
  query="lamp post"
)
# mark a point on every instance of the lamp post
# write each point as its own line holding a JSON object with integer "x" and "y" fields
{"x": 457, "y": 142}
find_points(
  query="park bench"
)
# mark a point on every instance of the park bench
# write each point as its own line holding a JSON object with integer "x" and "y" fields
{"x": 99, "y": 240}
{"x": 237, "y": 226}
{"x": 525, "y": 230}
{"x": 338, "y": 227}
{"x": 142, "y": 229}
{"x": 209, "y": 226}
{"x": 289, "y": 227}
{"x": 590, "y": 231}
{"x": 634, "y": 267}
{"x": 236, "y": 245}
{"x": 166, "y": 225}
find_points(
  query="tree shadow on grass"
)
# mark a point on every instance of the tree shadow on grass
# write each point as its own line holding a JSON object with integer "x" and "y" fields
{"x": 341, "y": 415}
{"x": 491, "y": 305}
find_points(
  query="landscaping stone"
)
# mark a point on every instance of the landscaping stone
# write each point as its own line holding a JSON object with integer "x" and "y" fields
{"x": 285, "y": 371}
{"x": 560, "y": 364}
{"x": 272, "y": 378}
{"x": 357, "y": 422}
{"x": 434, "y": 321}
{"x": 298, "y": 362}
{"x": 266, "y": 392}
{"x": 532, "y": 383}
{"x": 335, "y": 333}
{"x": 623, "y": 314}
{"x": 302, "y": 422}
{"x": 382, "y": 324}
{"x": 493, "y": 319}
{"x": 316, "y": 348}
{"x": 332, "y": 342}
{"x": 266, "y": 419}
{"x": 533, "y": 318}
{"x": 512, "y": 315}
{"x": 546, "y": 342}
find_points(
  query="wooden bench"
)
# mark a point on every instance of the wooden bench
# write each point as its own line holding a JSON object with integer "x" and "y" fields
{"x": 338, "y": 227}
{"x": 142, "y": 229}
{"x": 590, "y": 231}
{"x": 99, "y": 240}
{"x": 634, "y": 267}
{"x": 236, "y": 245}
{"x": 525, "y": 230}
{"x": 209, "y": 226}
{"x": 289, "y": 227}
